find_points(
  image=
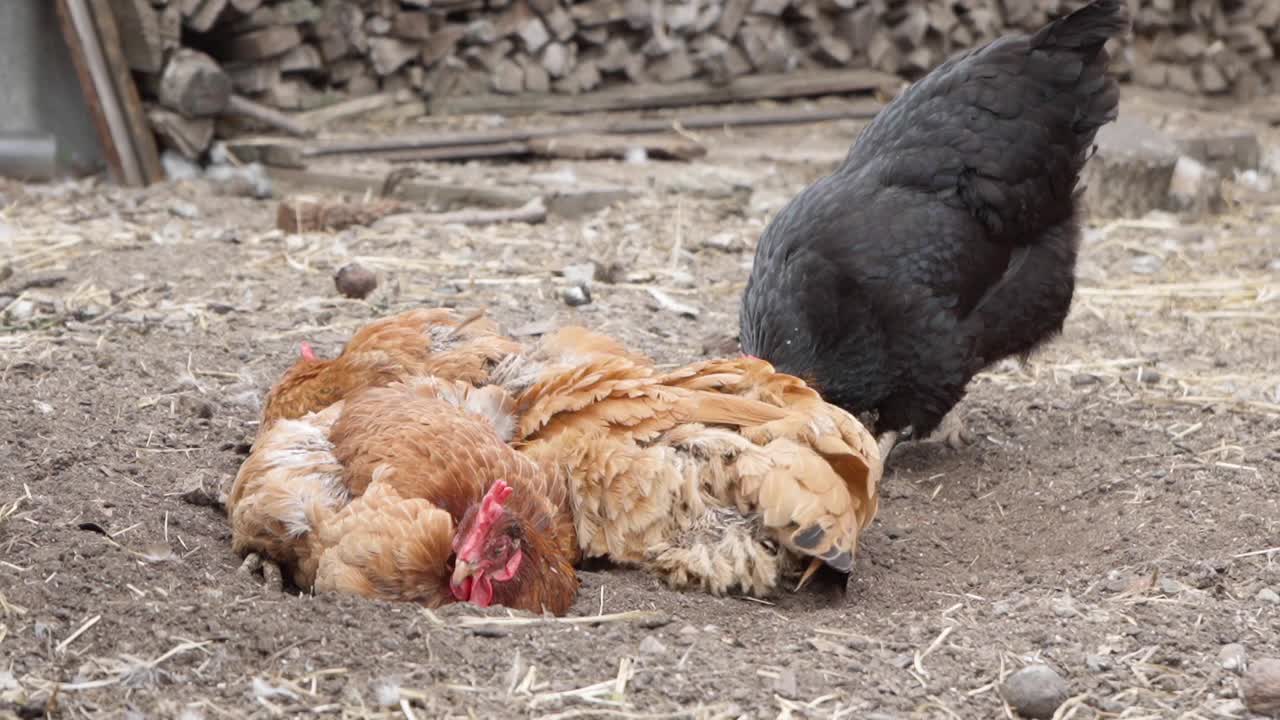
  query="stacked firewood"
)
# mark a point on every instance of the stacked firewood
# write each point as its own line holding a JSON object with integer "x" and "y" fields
{"x": 289, "y": 55}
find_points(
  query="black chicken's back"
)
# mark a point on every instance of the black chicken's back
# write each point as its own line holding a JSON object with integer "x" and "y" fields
{"x": 947, "y": 239}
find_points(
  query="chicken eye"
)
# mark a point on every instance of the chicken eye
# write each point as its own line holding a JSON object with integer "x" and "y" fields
{"x": 499, "y": 548}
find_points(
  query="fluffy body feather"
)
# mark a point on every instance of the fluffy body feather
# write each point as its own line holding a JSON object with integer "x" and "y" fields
{"x": 719, "y": 475}
{"x": 411, "y": 344}
{"x": 947, "y": 239}
{"x": 367, "y": 496}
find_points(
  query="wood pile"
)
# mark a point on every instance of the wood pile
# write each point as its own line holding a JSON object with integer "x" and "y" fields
{"x": 195, "y": 58}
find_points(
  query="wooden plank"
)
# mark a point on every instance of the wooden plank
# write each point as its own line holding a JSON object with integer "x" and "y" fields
{"x": 438, "y": 194}
{"x": 95, "y": 83}
{"x": 678, "y": 94}
{"x": 863, "y": 108}
{"x": 135, "y": 117}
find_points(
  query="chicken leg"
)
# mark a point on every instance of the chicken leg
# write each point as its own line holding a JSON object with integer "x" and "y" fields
{"x": 887, "y": 442}
{"x": 272, "y": 577}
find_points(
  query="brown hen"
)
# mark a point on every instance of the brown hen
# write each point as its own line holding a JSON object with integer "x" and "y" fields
{"x": 720, "y": 475}
{"x": 415, "y": 343}
{"x": 409, "y": 492}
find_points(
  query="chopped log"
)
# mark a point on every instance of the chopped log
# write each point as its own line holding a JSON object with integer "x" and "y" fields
{"x": 377, "y": 25}
{"x": 442, "y": 44}
{"x": 302, "y": 214}
{"x": 189, "y": 137}
{"x": 560, "y": 23}
{"x": 390, "y": 54}
{"x": 533, "y": 34}
{"x": 302, "y": 59}
{"x": 262, "y": 44}
{"x": 584, "y": 78}
{"x": 171, "y": 27}
{"x": 557, "y": 59}
{"x": 536, "y": 79}
{"x": 140, "y": 36}
{"x": 731, "y": 18}
{"x": 347, "y": 109}
{"x": 508, "y": 77}
{"x": 289, "y": 12}
{"x": 240, "y": 105}
{"x": 597, "y": 12}
{"x": 411, "y": 25}
{"x": 773, "y": 8}
{"x": 193, "y": 85}
{"x": 253, "y": 78}
{"x": 487, "y": 57}
{"x": 200, "y": 15}
{"x": 674, "y": 66}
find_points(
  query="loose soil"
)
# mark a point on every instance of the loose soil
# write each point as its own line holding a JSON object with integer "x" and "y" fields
{"x": 1110, "y": 519}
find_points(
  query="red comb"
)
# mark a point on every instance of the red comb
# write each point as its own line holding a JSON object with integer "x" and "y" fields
{"x": 491, "y": 505}
{"x": 489, "y": 512}
{"x": 307, "y": 352}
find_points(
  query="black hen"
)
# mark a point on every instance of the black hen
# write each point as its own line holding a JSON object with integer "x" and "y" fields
{"x": 947, "y": 239}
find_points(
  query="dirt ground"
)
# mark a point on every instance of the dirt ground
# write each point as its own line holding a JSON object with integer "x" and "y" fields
{"x": 1112, "y": 518}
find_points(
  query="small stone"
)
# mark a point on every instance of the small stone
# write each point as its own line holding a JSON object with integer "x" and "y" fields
{"x": 652, "y": 646}
{"x": 1269, "y": 596}
{"x": 655, "y": 620}
{"x": 1084, "y": 380}
{"x": 355, "y": 281}
{"x": 490, "y": 631}
{"x": 689, "y": 631}
{"x": 1099, "y": 663}
{"x": 670, "y": 304}
{"x": 185, "y": 210}
{"x": 576, "y": 295}
{"x": 1001, "y": 608}
{"x": 1170, "y": 587}
{"x": 1035, "y": 691}
{"x": 21, "y": 311}
{"x": 1260, "y": 686}
{"x": 1147, "y": 376}
{"x": 1064, "y": 607}
{"x": 1232, "y": 657}
{"x": 724, "y": 242}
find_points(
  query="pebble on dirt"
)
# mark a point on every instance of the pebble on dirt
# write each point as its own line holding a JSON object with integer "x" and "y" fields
{"x": 1261, "y": 687}
{"x": 576, "y": 295}
{"x": 354, "y": 280}
{"x": 1035, "y": 691}
{"x": 1232, "y": 657}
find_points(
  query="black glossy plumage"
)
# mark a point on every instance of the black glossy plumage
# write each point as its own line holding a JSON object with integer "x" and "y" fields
{"x": 947, "y": 239}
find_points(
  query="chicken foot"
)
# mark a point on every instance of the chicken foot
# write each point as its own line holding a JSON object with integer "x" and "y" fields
{"x": 272, "y": 577}
{"x": 954, "y": 433}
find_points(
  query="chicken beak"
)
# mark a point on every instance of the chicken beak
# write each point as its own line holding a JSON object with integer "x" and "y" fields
{"x": 461, "y": 571}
